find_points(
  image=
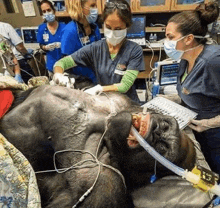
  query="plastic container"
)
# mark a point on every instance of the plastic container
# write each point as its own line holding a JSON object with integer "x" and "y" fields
{"x": 155, "y": 89}
{"x": 151, "y": 38}
{"x": 155, "y": 37}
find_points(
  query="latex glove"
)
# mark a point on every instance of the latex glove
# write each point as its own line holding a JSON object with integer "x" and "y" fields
{"x": 58, "y": 44}
{"x": 51, "y": 46}
{"x": 63, "y": 80}
{"x": 60, "y": 79}
{"x": 18, "y": 78}
{"x": 200, "y": 125}
{"x": 94, "y": 90}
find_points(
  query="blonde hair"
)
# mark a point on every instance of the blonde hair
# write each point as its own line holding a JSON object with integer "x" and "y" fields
{"x": 74, "y": 8}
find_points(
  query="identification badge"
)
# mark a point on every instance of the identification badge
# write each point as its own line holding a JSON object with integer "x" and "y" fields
{"x": 46, "y": 37}
{"x": 120, "y": 69}
{"x": 85, "y": 40}
{"x": 119, "y": 72}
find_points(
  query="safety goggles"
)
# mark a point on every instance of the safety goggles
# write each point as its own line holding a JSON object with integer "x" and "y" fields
{"x": 113, "y": 5}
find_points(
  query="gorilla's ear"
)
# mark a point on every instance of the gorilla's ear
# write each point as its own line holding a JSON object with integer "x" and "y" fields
{"x": 119, "y": 127}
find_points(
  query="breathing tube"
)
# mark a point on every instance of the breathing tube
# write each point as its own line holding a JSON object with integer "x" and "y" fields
{"x": 188, "y": 175}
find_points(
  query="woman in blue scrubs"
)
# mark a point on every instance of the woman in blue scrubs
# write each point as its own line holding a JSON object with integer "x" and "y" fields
{"x": 199, "y": 74}
{"x": 49, "y": 35}
{"x": 115, "y": 60}
{"x": 81, "y": 31}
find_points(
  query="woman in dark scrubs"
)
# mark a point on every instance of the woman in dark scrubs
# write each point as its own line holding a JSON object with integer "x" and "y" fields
{"x": 115, "y": 60}
{"x": 199, "y": 74}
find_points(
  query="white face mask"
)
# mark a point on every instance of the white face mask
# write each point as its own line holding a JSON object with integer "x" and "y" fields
{"x": 172, "y": 52}
{"x": 115, "y": 37}
{"x": 170, "y": 49}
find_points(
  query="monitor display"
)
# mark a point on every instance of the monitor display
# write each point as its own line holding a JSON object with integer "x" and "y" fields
{"x": 29, "y": 35}
{"x": 137, "y": 29}
{"x": 168, "y": 74}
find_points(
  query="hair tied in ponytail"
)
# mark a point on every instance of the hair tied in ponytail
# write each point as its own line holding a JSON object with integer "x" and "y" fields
{"x": 208, "y": 13}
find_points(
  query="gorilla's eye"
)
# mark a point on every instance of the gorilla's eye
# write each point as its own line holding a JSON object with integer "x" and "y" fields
{"x": 164, "y": 125}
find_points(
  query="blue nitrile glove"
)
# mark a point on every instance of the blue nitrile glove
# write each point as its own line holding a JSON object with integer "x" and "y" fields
{"x": 18, "y": 78}
{"x": 216, "y": 201}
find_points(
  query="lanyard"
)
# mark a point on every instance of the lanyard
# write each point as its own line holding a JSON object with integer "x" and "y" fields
{"x": 83, "y": 39}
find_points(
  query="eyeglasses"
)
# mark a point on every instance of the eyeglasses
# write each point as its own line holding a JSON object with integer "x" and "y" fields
{"x": 112, "y": 5}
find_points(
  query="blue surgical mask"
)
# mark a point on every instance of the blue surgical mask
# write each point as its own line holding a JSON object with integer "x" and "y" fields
{"x": 170, "y": 49}
{"x": 49, "y": 16}
{"x": 93, "y": 15}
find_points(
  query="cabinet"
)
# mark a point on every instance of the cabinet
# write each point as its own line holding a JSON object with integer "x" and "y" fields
{"x": 142, "y": 6}
{"x": 180, "y": 5}
{"x": 156, "y": 6}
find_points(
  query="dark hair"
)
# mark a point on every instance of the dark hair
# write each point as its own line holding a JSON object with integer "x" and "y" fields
{"x": 48, "y": 2}
{"x": 195, "y": 22}
{"x": 124, "y": 14}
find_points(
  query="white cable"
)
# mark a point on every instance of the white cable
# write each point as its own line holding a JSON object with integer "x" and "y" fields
{"x": 152, "y": 53}
{"x": 148, "y": 83}
{"x": 149, "y": 77}
{"x": 95, "y": 160}
{"x": 160, "y": 51}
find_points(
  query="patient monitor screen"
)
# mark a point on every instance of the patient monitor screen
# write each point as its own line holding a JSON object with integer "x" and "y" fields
{"x": 30, "y": 35}
{"x": 168, "y": 74}
{"x": 137, "y": 29}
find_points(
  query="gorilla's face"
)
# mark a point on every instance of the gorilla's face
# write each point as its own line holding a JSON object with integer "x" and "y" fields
{"x": 160, "y": 131}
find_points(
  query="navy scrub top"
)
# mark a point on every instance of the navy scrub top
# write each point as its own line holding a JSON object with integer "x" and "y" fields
{"x": 200, "y": 91}
{"x": 44, "y": 37}
{"x": 108, "y": 71}
{"x": 74, "y": 38}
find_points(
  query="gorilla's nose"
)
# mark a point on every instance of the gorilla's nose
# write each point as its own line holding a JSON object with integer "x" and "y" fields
{"x": 163, "y": 126}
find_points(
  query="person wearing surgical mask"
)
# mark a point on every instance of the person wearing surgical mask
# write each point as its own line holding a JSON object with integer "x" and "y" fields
{"x": 49, "y": 35}
{"x": 81, "y": 31}
{"x": 115, "y": 60}
{"x": 198, "y": 81}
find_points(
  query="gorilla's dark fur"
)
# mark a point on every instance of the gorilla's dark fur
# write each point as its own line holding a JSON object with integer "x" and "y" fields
{"x": 50, "y": 119}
